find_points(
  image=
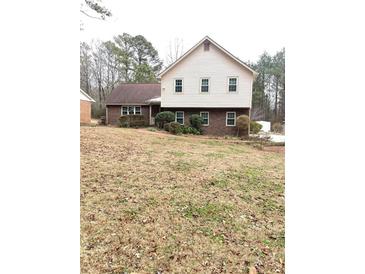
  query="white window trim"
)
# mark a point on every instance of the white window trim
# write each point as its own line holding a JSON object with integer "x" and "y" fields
{"x": 134, "y": 110}
{"x": 237, "y": 83}
{"x": 205, "y": 125}
{"x": 182, "y": 117}
{"x": 121, "y": 110}
{"x": 235, "y": 117}
{"x": 140, "y": 110}
{"x": 200, "y": 85}
{"x": 182, "y": 85}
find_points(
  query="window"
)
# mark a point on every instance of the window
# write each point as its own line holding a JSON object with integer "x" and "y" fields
{"x": 205, "y": 116}
{"x": 232, "y": 84}
{"x": 124, "y": 110}
{"x": 204, "y": 85}
{"x": 131, "y": 110}
{"x": 231, "y": 119}
{"x": 179, "y": 117}
{"x": 178, "y": 85}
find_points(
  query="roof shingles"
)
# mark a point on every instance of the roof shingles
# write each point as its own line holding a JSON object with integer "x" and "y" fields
{"x": 133, "y": 94}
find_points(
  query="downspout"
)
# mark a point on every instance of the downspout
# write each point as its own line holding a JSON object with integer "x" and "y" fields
{"x": 106, "y": 115}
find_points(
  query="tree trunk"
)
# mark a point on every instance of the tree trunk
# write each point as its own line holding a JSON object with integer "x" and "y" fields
{"x": 276, "y": 98}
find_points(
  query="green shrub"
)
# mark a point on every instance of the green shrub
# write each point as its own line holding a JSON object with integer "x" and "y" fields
{"x": 196, "y": 121}
{"x": 255, "y": 127}
{"x": 136, "y": 120}
{"x": 190, "y": 130}
{"x": 131, "y": 121}
{"x": 164, "y": 117}
{"x": 166, "y": 127}
{"x": 277, "y": 127}
{"x": 175, "y": 128}
{"x": 123, "y": 121}
{"x": 242, "y": 123}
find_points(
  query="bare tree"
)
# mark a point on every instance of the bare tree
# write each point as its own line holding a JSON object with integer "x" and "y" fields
{"x": 93, "y": 9}
{"x": 85, "y": 67}
{"x": 257, "y": 114}
{"x": 176, "y": 49}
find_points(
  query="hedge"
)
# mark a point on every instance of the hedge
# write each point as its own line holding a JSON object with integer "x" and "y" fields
{"x": 131, "y": 121}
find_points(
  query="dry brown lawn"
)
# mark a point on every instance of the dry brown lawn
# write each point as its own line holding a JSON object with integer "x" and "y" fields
{"x": 158, "y": 203}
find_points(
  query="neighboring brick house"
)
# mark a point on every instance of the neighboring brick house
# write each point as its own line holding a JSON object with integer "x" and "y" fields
{"x": 206, "y": 80}
{"x": 85, "y": 107}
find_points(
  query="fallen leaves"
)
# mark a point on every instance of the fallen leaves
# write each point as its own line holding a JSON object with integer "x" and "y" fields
{"x": 159, "y": 203}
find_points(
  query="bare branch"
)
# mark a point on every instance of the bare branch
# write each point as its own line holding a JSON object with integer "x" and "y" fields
{"x": 93, "y": 17}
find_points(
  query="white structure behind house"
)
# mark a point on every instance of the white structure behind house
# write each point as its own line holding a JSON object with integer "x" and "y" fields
{"x": 266, "y": 126}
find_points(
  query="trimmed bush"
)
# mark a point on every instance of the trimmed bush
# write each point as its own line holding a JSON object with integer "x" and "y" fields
{"x": 175, "y": 128}
{"x": 136, "y": 120}
{"x": 196, "y": 121}
{"x": 255, "y": 127}
{"x": 277, "y": 127}
{"x": 164, "y": 117}
{"x": 190, "y": 130}
{"x": 123, "y": 121}
{"x": 166, "y": 127}
{"x": 243, "y": 123}
{"x": 131, "y": 121}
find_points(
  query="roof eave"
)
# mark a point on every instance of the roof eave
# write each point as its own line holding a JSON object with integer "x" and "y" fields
{"x": 87, "y": 96}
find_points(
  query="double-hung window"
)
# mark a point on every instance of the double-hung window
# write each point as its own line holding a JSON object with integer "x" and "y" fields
{"x": 137, "y": 110}
{"x": 178, "y": 85}
{"x": 131, "y": 110}
{"x": 205, "y": 116}
{"x": 124, "y": 110}
{"x": 204, "y": 85}
{"x": 232, "y": 84}
{"x": 179, "y": 117}
{"x": 231, "y": 119}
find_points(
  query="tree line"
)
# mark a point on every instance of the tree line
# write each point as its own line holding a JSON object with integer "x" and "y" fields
{"x": 268, "y": 91}
{"x": 125, "y": 59}
{"x": 133, "y": 59}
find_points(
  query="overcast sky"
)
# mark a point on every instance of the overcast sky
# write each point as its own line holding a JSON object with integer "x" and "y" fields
{"x": 245, "y": 28}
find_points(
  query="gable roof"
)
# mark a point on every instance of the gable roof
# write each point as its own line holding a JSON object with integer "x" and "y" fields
{"x": 207, "y": 38}
{"x": 136, "y": 94}
{"x": 85, "y": 97}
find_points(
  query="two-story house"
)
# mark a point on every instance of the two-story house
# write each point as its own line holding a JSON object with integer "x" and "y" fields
{"x": 207, "y": 80}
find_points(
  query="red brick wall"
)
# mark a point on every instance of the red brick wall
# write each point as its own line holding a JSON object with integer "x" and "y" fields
{"x": 217, "y": 119}
{"x": 114, "y": 112}
{"x": 146, "y": 114}
{"x": 85, "y": 112}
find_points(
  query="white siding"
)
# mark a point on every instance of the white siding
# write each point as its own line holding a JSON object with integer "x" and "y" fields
{"x": 215, "y": 65}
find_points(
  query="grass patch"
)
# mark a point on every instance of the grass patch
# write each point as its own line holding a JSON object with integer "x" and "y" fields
{"x": 131, "y": 213}
{"x": 178, "y": 204}
{"x": 215, "y": 237}
{"x": 212, "y": 143}
{"x": 182, "y": 165}
{"x": 214, "y": 212}
{"x": 216, "y": 155}
{"x": 220, "y": 181}
{"x": 177, "y": 153}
